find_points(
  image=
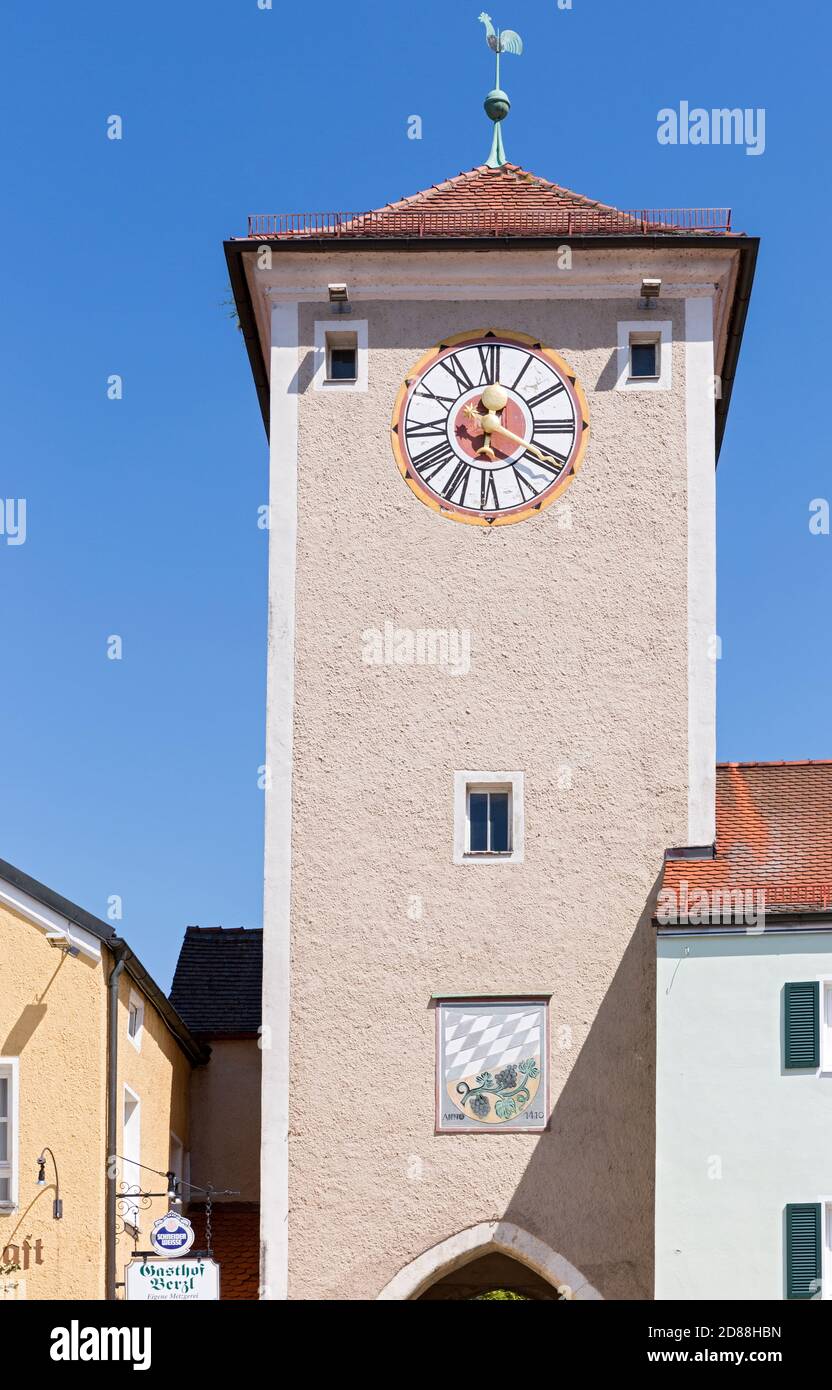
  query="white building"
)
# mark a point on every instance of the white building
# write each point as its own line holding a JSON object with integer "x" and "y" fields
{"x": 744, "y": 1045}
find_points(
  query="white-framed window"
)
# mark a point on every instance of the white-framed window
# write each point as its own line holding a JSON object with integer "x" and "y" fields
{"x": 645, "y": 359}
{"x": 826, "y": 1025}
{"x": 9, "y": 1104}
{"x": 179, "y": 1163}
{"x": 340, "y": 355}
{"x": 826, "y": 1249}
{"x": 135, "y": 1019}
{"x": 131, "y": 1152}
{"x": 488, "y": 818}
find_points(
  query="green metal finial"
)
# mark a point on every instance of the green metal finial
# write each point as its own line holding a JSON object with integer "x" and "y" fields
{"x": 497, "y": 104}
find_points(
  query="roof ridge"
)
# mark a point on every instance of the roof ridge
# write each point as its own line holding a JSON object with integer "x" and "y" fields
{"x": 779, "y": 762}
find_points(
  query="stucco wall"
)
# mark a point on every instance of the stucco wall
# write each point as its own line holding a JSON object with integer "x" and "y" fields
{"x": 578, "y": 660}
{"x": 225, "y": 1119}
{"x": 159, "y": 1074}
{"x": 53, "y": 1017}
{"x": 737, "y": 1136}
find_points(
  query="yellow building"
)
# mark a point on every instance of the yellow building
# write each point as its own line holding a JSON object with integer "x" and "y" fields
{"x": 95, "y": 1067}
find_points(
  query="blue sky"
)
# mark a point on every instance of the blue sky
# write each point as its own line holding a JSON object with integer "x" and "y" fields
{"x": 139, "y": 777}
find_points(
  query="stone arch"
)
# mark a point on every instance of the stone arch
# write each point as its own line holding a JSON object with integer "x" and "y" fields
{"x": 474, "y": 1241}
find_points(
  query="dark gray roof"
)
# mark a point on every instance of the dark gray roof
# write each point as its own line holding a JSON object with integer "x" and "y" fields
{"x": 217, "y": 984}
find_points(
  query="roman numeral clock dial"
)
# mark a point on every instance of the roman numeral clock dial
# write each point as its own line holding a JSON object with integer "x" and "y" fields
{"x": 489, "y": 427}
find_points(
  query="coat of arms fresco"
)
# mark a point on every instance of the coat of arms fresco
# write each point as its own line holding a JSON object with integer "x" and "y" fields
{"x": 490, "y": 1065}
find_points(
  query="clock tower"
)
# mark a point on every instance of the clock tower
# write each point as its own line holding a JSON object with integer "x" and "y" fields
{"x": 494, "y": 410}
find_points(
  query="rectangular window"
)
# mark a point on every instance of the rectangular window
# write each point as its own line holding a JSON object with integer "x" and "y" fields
{"x": 488, "y": 822}
{"x": 131, "y": 1152}
{"x": 8, "y": 1133}
{"x": 488, "y": 818}
{"x": 135, "y": 1019}
{"x": 341, "y": 356}
{"x": 492, "y": 1062}
{"x": 644, "y": 356}
{"x": 826, "y": 1026}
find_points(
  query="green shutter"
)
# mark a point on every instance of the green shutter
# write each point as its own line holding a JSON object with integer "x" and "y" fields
{"x": 802, "y": 1024}
{"x": 803, "y": 1250}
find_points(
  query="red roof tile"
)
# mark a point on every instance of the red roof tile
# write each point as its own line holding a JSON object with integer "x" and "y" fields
{"x": 773, "y": 833}
{"x": 236, "y": 1245}
{"x": 508, "y": 201}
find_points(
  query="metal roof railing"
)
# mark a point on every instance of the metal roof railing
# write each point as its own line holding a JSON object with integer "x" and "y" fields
{"x": 410, "y": 223}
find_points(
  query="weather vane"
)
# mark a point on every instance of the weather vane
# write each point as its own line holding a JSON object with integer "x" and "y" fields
{"x": 497, "y": 104}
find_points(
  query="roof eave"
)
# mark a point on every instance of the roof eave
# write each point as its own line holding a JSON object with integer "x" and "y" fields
{"x": 107, "y": 935}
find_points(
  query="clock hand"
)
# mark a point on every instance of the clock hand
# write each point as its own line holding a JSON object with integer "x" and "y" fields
{"x": 492, "y": 424}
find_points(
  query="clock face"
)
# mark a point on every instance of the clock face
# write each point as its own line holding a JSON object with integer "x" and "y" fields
{"x": 489, "y": 427}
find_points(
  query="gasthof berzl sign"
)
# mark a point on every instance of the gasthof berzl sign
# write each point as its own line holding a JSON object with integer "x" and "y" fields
{"x": 176, "y": 1281}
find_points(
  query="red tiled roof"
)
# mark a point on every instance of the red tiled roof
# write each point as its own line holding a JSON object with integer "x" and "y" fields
{"x": 502, "y": 202}
{"x": 236, "y": 1244}
{"x": 773, "y": 833}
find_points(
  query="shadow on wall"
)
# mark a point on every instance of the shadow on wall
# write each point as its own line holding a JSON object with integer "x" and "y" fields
{"x": 588, "y": 1191}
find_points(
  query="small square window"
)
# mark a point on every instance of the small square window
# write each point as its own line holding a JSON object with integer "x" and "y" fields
{"x": 341, "y": 357}
{"x": 488, "y": 817}
{"x": 644, "y": 357}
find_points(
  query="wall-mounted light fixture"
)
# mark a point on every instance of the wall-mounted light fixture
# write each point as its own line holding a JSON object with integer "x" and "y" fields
{"x": 62, "y": 940}
{"x": 650, "y": 291}
{"x": 339, "y": 297}
{"x": 173, "y": 1194}
{"x": 57, "y": 1205}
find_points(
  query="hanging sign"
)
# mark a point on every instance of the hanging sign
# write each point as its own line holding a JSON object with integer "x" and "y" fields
{"x": 172, "y": 1281}
{"x": 172, "y": 1235}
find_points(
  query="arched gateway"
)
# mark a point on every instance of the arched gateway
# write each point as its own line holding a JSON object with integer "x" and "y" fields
{"x": 475, "y": 1242}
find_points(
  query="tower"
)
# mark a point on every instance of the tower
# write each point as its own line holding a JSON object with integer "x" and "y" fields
{"x": 494, "y": 409}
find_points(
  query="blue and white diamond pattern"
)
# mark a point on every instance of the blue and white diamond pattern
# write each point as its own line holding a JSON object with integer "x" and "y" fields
{"x": 477, "y": 1042}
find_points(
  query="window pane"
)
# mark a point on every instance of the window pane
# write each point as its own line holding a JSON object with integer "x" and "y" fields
{"x": 4, "y": 1141}
{"x": 478, "y": 815}
{"x": 5, "y": 1189}
{"x": 133, "y": 1021}
{"x": 4, "y": 1097}
{"x": 342, "y": 364}
{"x": 499, "y": 822}
{"x": 643, "y": 359}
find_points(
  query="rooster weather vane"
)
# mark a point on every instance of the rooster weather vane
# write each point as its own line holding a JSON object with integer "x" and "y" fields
{"x": 497, "y": 104}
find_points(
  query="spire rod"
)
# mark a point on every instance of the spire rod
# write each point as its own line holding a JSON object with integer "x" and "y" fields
{"x": 497, "y": 104}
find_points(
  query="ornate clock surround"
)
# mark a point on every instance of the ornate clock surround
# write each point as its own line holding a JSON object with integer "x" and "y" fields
{"x": 457, "y": 465}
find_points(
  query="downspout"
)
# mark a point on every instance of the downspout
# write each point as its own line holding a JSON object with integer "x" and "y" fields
{"x": 120, "y": 952}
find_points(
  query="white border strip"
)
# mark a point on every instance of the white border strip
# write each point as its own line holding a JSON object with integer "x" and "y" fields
{"x": 50, "y": 922}
{"x": 283, "y": 470}
{"x": 701, "y": 511}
